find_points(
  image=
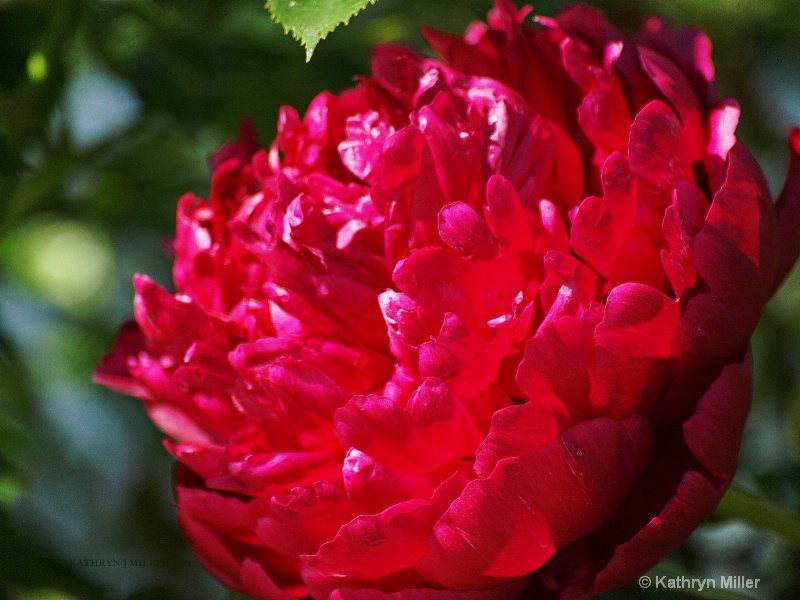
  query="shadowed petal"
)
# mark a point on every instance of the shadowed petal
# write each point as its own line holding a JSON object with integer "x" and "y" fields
{"x": 788, "y": 208}
{"x": 693, "y": 503}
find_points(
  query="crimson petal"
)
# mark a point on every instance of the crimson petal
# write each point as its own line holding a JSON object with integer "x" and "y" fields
{"x": 788, "y": 208}
{"x": 510, "y": 523}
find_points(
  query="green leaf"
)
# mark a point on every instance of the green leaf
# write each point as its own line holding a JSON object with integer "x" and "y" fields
{"x": 17, "y": 447}
{"x": 310, "y": 21}
{"x": 792, "y": 421}
{"x": 743, "y": 506}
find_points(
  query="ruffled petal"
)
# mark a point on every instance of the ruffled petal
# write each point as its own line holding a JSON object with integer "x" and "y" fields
{"x": 361, "y": 151}
{"x": 374, "y": 487}
{"x": 671, "y": 81}
{"x": 301, "y": 520}
{"x": 264, "y": 474}
{"x": 722, "y": 122}
{"x": 241, "y": 149}
{"x": 464, "y": 231}
{"x": 220, "y": 529}
{"x": 558, "y": 370}
{"x": 506, "y": 216}
{"x": 468, "y": 362}
{"x": 510, "y": 523}
{"x": 657, "y": 147}
{"x": 432, "y": 431}
{"x": 683, "y": 219}
{"x": 171, "y": 323}
{"x": 601, "y": 225}
{"x": 113, "y": 372}
{"x": 522, "y": 58}
{"x": 373, "y": 546}
{"x": 633, "y": 346}
{"x": 735, "y": 254}
{"x": 689, "y": 48}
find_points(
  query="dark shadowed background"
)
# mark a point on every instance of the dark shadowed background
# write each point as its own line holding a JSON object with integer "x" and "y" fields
{"x": 109, "y": 110}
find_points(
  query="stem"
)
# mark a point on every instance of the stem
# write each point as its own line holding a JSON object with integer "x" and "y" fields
{"x": 758, "y": 512}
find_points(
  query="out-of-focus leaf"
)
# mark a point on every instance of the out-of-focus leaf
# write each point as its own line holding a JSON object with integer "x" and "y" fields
{"x": 45, "y": 594}
{"x": 65, "y": 262}
{"x": 153, "y": 593}
{"x": 26, "y": 566}
{"x": 792, "y": 420}
{"x": 310, "y": 21}
{"x": 12, "y": 387}
{"x": 16, "y": 445}
{"x": 759, "y": 512}
{"x": 11, "y": 490}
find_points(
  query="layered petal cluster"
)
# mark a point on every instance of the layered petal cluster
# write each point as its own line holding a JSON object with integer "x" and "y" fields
{"x": 476, "y": 328}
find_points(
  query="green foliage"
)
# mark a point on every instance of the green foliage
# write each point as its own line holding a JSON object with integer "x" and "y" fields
{"x": 310, "y": 21}
{"x": 16, "y": 445}
{"x": 745, "y": 506}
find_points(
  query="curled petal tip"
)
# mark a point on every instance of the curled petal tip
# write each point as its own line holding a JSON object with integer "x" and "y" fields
{"x": 788, "y": 211}
{"x": 794, "y": 139}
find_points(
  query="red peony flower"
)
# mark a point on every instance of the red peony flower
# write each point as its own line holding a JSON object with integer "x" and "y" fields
{"x": 471, "y": 329}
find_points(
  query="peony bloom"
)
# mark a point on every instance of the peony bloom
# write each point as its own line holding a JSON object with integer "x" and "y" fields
{"x": 474, "y": 328}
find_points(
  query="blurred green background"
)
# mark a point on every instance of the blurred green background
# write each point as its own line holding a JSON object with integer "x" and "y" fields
{"x": 109, "y": 110}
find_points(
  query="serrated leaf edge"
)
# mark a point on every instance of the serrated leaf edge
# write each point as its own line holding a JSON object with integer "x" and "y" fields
{"x": 311, "y": 46}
